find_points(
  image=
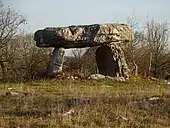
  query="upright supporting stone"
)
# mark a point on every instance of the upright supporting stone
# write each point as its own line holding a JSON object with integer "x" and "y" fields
{"x": 118, "y": 56}
{"x": 57, "y": 61}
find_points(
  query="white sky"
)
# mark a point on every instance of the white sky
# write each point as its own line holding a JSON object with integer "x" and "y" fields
{"x": 55, "y": 13}
{"x": 45, "y": 13}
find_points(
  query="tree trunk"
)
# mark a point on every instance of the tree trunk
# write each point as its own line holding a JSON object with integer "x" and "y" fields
{"x": 150, "y": 64}
{"x": 3, "y": 69}
{"x": 135, "y": 70}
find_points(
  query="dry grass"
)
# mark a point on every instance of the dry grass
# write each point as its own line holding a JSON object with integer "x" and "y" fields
{"x": 96, "y": 104}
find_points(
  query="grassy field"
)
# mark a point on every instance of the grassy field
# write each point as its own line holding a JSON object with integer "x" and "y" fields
{"x": 135, "y": 103}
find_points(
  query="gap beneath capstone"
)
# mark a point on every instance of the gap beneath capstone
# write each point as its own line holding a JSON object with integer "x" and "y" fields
{"x": 105, "y": 62}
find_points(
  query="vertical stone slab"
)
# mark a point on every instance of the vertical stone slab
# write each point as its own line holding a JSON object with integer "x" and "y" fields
{"x": 57, "y": 61}
{"x": 118, "y": 55}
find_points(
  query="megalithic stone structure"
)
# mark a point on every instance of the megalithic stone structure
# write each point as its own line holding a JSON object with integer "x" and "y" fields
{"x": 56, "y": 62}
{"x": 107, "y": 36}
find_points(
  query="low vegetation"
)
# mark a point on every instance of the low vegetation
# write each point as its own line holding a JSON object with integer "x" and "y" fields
{"x": 136, "y": 103}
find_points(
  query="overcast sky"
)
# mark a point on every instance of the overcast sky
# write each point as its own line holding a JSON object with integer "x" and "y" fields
{"x": 45, "y": 13}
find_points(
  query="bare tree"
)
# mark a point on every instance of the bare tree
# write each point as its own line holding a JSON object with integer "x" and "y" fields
{"x": 132, "y": 48}
{"x": 157, "y": 43}
{"x": 28, "y": 61}
{"x": 148, "y": 52}
{"x": 10, "y": 21}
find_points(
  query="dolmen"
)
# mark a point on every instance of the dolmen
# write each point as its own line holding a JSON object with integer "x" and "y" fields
{"x": 107, "y": 37}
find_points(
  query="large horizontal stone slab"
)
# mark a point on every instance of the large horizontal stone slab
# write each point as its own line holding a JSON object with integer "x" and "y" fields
{"x": 83, "y": 35}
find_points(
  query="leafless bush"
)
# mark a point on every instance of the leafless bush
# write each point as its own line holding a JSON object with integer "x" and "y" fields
{"x": 28, "y": 60}
{"x": 10, "y": 21}
{"x": 148, "y": 53}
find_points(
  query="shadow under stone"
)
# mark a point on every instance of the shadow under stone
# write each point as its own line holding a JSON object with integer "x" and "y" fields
{"x": 105, "y": 61}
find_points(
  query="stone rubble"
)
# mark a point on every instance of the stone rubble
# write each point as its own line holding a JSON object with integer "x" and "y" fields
{"x": 100, "y": 76}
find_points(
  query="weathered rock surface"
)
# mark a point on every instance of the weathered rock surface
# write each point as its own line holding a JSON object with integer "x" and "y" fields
{"x": 97, "y": 76}
{"x": 118, "y": 56}
{"x": 100, "y": 76}
{"x": 83, "y": 35}
{"x": 57, "y": 62}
